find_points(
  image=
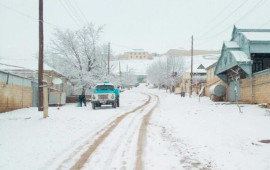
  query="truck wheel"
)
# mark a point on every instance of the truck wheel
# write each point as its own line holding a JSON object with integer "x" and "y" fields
{"x": 118, "y": 103}
{"x": 93, "y": 106}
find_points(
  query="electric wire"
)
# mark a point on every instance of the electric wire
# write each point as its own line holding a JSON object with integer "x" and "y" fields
{"x": 70, "y": 14}
{"x": 74, "y": 11}
{"x": 78, "y": 8}
{"x": 223, "y": 20}
{"x": 28, "y": 16}
{"x": 241, "y": 18}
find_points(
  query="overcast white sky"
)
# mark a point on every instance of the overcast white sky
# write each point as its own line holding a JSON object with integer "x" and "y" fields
{"x": 153, "y": 25}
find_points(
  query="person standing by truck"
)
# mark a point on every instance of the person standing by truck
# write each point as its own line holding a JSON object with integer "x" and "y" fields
{"x": 117, "y": 94}
{"x": 82, "y": 98}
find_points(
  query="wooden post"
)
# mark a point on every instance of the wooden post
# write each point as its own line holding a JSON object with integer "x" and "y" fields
{"x": 40, "y": 61}
{"x": 109, "y": 58}
{"x": 45, "y": 102}
{"x": 191, "y": 71}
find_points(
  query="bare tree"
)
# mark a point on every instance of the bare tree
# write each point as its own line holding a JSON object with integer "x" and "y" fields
{"x": 235, "y": 78}
{"x": 166, "y": 72}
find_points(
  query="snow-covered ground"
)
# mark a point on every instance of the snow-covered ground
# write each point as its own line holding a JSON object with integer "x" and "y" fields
{"x": 182, "y": 133}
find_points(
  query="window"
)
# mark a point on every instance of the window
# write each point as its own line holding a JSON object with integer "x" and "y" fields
{"x": 261, "y": 61}
{"x": 104, "y": 87}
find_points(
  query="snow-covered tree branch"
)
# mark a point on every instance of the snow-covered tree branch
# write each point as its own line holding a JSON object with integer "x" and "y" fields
{"x": 166, "y": 71}
{"x": 79, "y": 55}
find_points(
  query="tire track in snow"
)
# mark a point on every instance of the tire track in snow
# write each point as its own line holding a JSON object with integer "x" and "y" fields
{"x": 142, "y": 136}
{"x": 85, "y": 137}
{"x": 123, "y": 146}
{"x": 85, "y": 156}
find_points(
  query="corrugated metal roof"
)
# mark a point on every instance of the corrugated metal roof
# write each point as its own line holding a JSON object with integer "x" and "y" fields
{"x": 19, "y": 64}
{"x": 231, "y": 44}
{"x": 240, "y": 56}
{"x": 257, "y": 36}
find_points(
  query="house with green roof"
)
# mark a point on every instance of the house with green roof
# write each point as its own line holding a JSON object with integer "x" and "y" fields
{"x": 244, "y": 65}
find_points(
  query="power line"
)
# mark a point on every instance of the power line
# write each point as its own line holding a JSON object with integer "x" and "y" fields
{"x": 224, "y": 9}
{"x": 245, "y": 15}
{"x": 27, "y": 16}
{"x": 221, "y": 11}
{"x": 76, "y": 5}
{"x": 74, "y": 11}
{"x": 69, "y": 13}
{"x": 222, "y": 21}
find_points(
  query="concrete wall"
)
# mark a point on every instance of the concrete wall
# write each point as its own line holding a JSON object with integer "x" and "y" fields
{"x": 14, "y": 97}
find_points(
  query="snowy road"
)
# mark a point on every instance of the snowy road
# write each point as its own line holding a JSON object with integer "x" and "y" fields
{"x": 114, "y": 147}
{"x": 151, "y": 130}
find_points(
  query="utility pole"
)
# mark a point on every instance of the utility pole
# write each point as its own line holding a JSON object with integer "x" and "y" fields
{"x": 191, "y": 71}
{"x": 109, "y": 58}
{"x": 167, "y": 74}
{"x": 120, "y": 73}
{"x": 40, "y": 60}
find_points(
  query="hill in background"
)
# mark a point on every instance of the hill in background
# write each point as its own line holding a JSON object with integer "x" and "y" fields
{"x": 177, "y": 52}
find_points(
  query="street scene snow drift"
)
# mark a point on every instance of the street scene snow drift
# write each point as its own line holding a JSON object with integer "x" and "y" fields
{"x": 134, "y": 85}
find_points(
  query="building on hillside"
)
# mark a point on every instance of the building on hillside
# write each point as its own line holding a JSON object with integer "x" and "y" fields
{"x": 137, "y": 54}
{"x": 15, "y": 92}
{"x": 244, "y": 65}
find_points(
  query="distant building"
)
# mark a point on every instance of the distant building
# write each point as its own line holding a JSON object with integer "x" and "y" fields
{"x": 199, "y": 77}
{"x": 137, "y": 54}
{"x": 198, "y": 80}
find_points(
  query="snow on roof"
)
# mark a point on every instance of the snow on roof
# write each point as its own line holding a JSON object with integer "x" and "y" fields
{"x": 99, "y": 84}
{"x": 231, "y": 44}
{"x": 205, "y": 60}
{"x": 257, "y": 36}
{"x": 248, "y": 26}
{"x": 240, "y": 56}
{"x": 21, "y": 64}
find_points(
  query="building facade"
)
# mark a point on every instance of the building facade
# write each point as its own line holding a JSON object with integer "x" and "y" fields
{"x": 244, "y": 65}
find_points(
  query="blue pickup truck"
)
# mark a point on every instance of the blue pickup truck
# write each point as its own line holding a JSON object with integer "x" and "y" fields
{"x": 105, "y": 94}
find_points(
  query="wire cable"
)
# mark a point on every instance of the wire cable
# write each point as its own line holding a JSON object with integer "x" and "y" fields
{"x": 69, "y": 13}
{"x": 28, "y": 16}
{"x": 222, "y": 21}
{"x": 241, "y": 18}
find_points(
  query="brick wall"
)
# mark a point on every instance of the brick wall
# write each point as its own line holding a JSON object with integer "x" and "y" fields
{"x": 261, "y": 89}
{"x": 14, "y": 97}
